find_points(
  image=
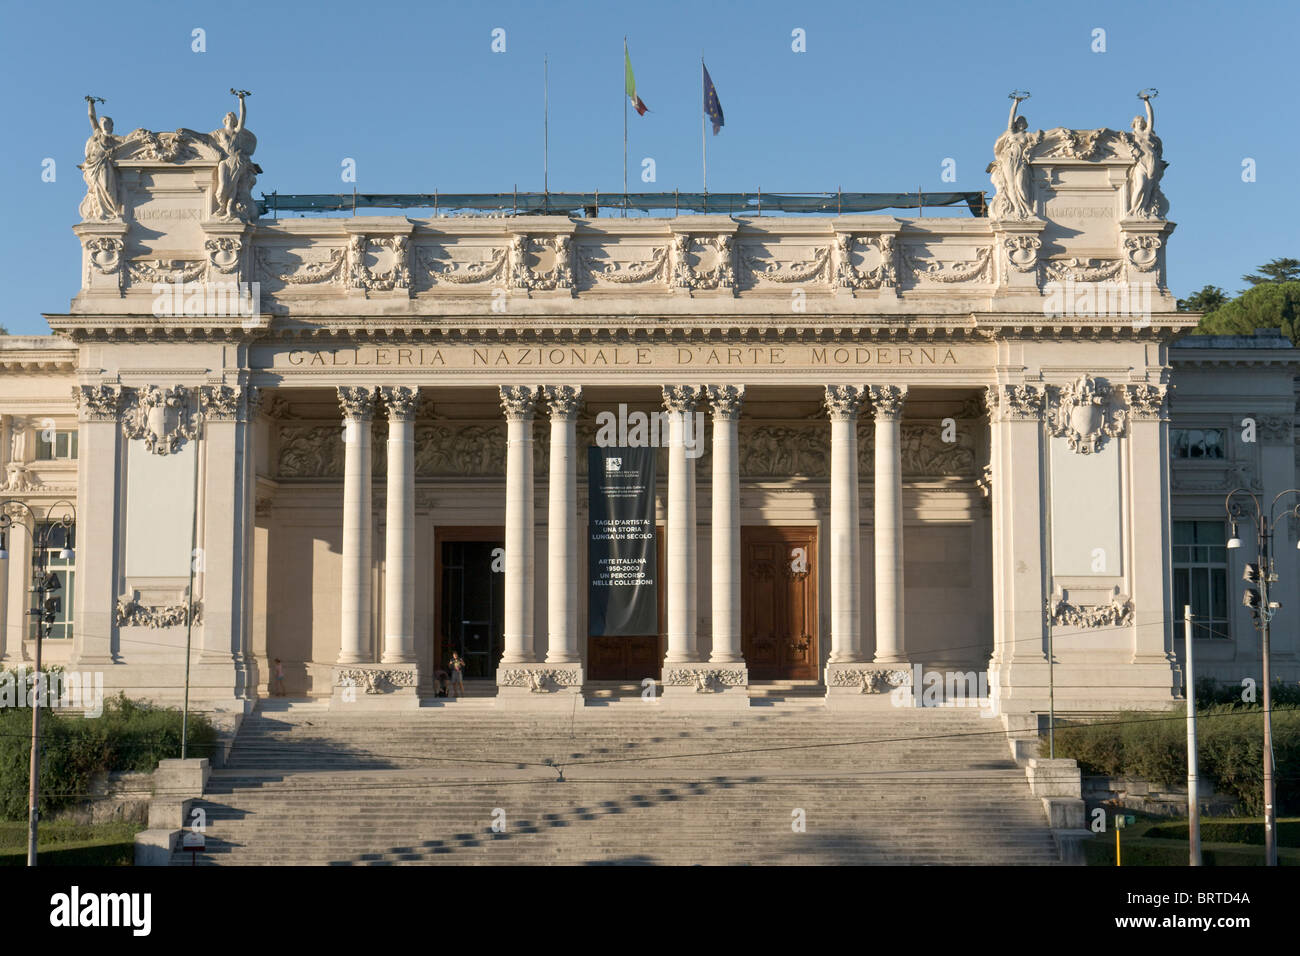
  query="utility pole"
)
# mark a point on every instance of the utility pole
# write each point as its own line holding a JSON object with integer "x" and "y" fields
{"x": 1263, "y": 610}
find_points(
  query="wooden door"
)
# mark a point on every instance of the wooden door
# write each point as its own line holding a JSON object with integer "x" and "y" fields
{"x": 778, "y": 598}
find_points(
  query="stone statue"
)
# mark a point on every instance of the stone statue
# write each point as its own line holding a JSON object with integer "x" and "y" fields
{"x": 1144, "y": 196}
{"x": 102, "y": 199}
{"x": 236, "y": 173}
{"x": 20, "y": 430}
{"x": 1011, "y": 174}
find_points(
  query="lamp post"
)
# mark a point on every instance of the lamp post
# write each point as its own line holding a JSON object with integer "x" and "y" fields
{"x": 43, "y": 610}
{"x": 1262, "y": 612}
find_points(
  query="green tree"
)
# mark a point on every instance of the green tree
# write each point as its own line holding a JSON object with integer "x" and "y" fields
{"x": 1207, "y": 300}
{"x": 1279, "y": 270}
{"x": 1269, "y": 305}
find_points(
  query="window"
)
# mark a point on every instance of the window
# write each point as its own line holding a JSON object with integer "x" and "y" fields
{"x": 63, "y": 446}
{"x": 1201, "y": 576}
{"x": 1197, "y": 443}
{"x": 64, "y": 570}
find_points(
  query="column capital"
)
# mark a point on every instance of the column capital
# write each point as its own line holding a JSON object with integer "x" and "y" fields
{"x": 1015, "y": 402}
{"x": 97, "y": 403}
{"x": 1147, "y": 402}
{"x": 564, "y": 400}
{"x": 519, "y": 402}
{"x": 357, "y": 402}
{"x": 726, "y": 401}
{"x": 843, "y": 402}
{"x": 221, "y": 403}
{"x": 401, "y": 401}
{"x": 681, "y": 398}
{"x": 887, "y": 401}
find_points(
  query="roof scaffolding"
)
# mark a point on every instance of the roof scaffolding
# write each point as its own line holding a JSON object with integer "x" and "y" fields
{"x": 588, "y": 205}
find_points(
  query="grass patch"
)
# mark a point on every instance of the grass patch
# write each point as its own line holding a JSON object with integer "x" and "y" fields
{"x": 68, "y": 844}
{"x": 1157, "y": 841}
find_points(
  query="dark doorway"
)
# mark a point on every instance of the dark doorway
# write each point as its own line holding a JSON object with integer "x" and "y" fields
{"x": 471, "y": 602}
{"x": 778, "y": 597}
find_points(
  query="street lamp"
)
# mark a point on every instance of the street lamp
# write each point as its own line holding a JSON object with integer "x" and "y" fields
{"x": 1258, "y": 577}
{"x": 43, "y": 610}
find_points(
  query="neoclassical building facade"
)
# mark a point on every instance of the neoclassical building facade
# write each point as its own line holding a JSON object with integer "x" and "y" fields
{"x": 356, "y": 444}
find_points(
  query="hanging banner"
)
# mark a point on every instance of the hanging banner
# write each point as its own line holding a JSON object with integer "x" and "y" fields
{"x": 621, "y": 554}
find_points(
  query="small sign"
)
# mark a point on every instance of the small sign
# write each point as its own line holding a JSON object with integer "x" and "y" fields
{"x": 1123, "y": 820}
{"x": 193, "y": 842}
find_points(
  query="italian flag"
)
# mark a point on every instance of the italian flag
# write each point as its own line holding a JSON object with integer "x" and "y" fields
{"x": 630, "y": 84}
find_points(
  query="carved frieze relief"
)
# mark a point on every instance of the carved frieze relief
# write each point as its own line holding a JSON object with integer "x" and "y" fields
{"x": 1117, "y": 612}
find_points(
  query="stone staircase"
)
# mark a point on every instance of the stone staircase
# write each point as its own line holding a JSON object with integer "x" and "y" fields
{"x": 622, "y": 783}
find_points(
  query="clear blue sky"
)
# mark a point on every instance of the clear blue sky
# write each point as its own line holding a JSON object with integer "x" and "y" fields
{"x": 885, "y": 92}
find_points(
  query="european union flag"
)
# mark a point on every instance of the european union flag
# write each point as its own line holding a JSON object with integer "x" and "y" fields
{"x": 712, "y": 108}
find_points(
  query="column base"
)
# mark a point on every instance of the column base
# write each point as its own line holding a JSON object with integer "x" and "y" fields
{"x": 868, "y": 686}
{"x": 539, "y": 686}
{"x": 375, "y": 687}
{"x": 699, "y": 686}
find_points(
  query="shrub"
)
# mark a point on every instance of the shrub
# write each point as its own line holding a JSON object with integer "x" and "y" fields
{"x": 129, "y": 735}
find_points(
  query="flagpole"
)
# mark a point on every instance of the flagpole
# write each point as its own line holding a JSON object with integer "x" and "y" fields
{"x": 546, "y": 125}
{"x": 625, "y": 99}
{"x": 704, "y": 141}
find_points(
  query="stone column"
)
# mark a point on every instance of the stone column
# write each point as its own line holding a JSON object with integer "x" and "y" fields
{"x": 519, "y": 403}
{"x": 358, "y": 406}
{"x": 843, "y": 403}
{"x": 680, "y": 401}
{"x": 562, "y": 526}
{"x": 726, "y": 401}
{"x": 399, "y": 540}
{"x": 887, "y": 520}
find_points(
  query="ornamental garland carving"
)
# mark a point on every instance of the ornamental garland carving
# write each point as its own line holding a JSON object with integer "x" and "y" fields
{"x": 165, "y": 418}
{"x": 130, "y": 613}
{"x": 375, "y": 680}
{"x": 1083, "y": 270}
{"x": 652, "y": 269}
{"x": 160, "y": 270}
{"x": 441, "y": 269}
{"x": 772, "y": 270}
{"x": 705, "y": 680}
{"x": 539, "y": 680}
{"x": 1118, "y": 612}
{"x": 870, "y": 680}
{"x": 883, "y": 275}
{"x": 1084, "y": 414}
{"x": 934, "y": 270}
{"x": 97, "y": 403}
{"x": 308, "y": 273}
